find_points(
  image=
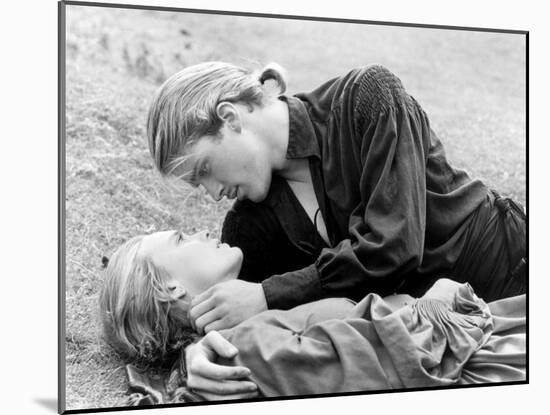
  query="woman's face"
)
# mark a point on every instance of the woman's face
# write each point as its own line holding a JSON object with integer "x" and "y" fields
{"x": 195, "y": 262}
{"x": 235, "y": 166}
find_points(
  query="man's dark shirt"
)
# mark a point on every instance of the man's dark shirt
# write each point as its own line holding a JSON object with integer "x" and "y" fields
{"x": 396, "y": 212}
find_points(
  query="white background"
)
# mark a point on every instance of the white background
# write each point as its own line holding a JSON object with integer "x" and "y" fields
{"x": 28, "y": 151}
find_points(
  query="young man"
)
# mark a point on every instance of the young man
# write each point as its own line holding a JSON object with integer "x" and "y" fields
{"x": 342, "y": 191}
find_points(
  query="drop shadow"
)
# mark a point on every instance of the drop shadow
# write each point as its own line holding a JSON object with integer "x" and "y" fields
{"x": 47, "y": 403}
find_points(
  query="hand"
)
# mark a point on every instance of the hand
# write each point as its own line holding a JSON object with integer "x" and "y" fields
{"x": 213, "y": 381}
{"x": 226, "y": 304}
{"x": 443, "y": 289}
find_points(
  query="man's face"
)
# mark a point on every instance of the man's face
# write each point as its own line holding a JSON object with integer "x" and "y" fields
{"x": 235, "y": 166}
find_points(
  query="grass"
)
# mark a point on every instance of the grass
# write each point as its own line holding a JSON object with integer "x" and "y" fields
{"x": 471, "y": 84}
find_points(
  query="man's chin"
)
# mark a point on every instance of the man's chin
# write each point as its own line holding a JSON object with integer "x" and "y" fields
{"x": 257, "y": 198}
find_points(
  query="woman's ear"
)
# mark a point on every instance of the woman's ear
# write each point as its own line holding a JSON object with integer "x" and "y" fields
{"x": 175, "y": 290}
{"x": 104, "y": 262}
{"x": 230, "y": 115}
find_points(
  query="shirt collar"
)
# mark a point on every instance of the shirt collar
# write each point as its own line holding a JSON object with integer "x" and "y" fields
{"x": 292, "y": 217}
{"x": 302, "y": 141}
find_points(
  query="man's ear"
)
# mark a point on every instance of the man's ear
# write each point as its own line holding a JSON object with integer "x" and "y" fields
{"x": 230, "y": 115}
{"x": 175, "y": 290}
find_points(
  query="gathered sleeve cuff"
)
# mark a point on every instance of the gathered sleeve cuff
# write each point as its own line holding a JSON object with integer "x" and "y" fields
{"x": 292, "y": 288}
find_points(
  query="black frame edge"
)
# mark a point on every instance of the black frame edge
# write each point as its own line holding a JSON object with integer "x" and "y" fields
{"x": 293, "y": 397}
{"x": 527, "y": 201}
{"x": 61, "y": 301}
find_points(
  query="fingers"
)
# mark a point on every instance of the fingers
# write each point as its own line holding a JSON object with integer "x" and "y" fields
{"x": 214, "y": 381}
{"x": 230, "y": 387}
{"x": 220, "y": 345}
{"x": 199, "y": 356}
{"x": 219, "y": 324}
{"x": 198, "y": 309}
{"x": 207, "y": 319}
{"x": 214, "y": 372}
{"x": 201, "y": 297}
{"x": 205, "y": 375}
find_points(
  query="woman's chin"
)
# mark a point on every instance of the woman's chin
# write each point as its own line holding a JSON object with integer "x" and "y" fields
{"x": 238, "y": 260}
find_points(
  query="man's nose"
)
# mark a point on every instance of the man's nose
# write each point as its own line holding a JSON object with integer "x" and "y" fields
{"x": 214, "y": 190}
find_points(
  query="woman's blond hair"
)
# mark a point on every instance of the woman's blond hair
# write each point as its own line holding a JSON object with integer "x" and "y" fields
{"x": 184, "y": 107}
{"x": 140, "y": 318}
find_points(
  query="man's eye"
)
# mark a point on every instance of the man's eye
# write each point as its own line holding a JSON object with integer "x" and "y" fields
{"x": 203, "y": 171}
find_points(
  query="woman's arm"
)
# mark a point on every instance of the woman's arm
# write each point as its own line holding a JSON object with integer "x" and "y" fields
{"x": 214, "y": 381}
{"x": 376, "y": 347}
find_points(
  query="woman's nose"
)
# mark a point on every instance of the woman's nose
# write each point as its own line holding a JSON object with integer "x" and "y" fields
{"x": 203, "y": 235}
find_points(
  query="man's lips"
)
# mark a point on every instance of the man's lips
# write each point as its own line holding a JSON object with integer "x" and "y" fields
{"x": 232, "y": 194}
{"x": 240, "y": 195}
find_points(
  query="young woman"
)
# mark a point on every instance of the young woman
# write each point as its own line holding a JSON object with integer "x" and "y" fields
{"x": 342, "y": 191}
{"x": 149, "y": 283}
{"x": 447, "y": 337}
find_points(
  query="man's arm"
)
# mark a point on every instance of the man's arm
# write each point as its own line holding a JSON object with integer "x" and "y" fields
{"x": 267, "y": 251}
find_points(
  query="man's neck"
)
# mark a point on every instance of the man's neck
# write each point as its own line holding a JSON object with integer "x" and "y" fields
{"x": 296, "y": 170}
{"x": 276, "y": 132}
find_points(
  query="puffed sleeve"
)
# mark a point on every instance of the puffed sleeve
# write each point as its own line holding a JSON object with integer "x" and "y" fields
{"x": 391, "y": 138}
